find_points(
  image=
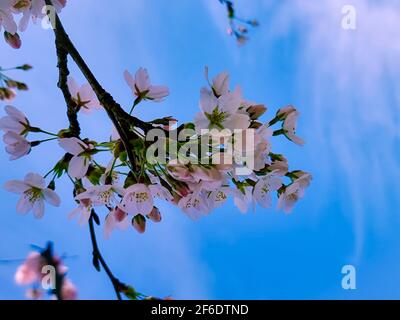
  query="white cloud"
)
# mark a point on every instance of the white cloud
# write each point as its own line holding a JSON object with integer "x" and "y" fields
{"x": 353, "y": 83}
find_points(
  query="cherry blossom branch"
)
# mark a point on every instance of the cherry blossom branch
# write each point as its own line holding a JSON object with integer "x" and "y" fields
{"x": 113, "y": 109}
{"x": 97, "y": 257}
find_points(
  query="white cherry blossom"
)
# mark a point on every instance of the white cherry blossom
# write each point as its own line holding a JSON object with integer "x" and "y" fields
{"x": 16, "y": 146}
{"x": 264, "y": 188}
{"x": 115, "y": 219}
{"x": 291, "y": 195}
{"x": 83, "y": 211}
{"x": 80, "y": 161}
{"x": 222, "y": 112}
{"x": 33, "y": 194}
{"x": 142, "y": 88}
{"x": 83, "y": 96}
{"x": 14, "y": 121}
{"x": 137, "y": 199}
{"x": 101, "y": 195}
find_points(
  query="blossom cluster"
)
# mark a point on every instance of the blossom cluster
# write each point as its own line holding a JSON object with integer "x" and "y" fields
{"x": 128, "y": 189}
{"x": 16, "y": 14}
{"x": 238, "y": 27}
{"x": 35, "y": 272}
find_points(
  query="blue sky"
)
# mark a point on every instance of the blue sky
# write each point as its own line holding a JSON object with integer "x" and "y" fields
{"x": 345, "y": 84}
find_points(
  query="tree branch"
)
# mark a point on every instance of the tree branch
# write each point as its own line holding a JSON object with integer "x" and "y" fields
{"x": 98, "y": 257}
{"x": 72, "y": 108}
{"x": 115, "y": 112}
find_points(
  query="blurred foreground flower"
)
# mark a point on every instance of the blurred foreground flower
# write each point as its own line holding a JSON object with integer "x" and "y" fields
{"x": 45, "y": 272}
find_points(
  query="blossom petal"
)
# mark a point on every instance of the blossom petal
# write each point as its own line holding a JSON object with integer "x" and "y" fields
{"x": 51, "y": 197}
{"x": 35, "y": 180}
{"x": 142, "y": 80}
{"x": 157, "y": 93}
{"x": 38, "y": 208}
{"x": 221, "y": 83}
{"x": 237, "y": 121}
{"x": 73, "y": 87}
{"x": 16, "y": 186}
{"x": 208, "y": 102}
{"x": 137, "y": 200}
{"x": 73, "y": 145}
{"x": 24, "y": 205}
{"x": 129, "y": 80}
{"x": 78, "y": 167}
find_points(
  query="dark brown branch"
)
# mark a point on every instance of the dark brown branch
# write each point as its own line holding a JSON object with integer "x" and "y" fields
{"x": 115, "y": 112}
{"x": 118, "y": 286}
{"x": 72, "y": 108}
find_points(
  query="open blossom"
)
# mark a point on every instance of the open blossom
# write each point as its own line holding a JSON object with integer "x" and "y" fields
{"x": 33, "y": 9}
{"x": 142, "y": 87}
{"x": 83, "y": 96}
{"x": 115, "y": 219}
{"x": 289, "y": 116}
{"x": 83, "y": 210}
{"x": 33, "y": 194}
{"x": 264, "y": 188}
{"x": 15, "y": 121}
{"x": 220, "y": 83}
{"x": 243, "y": 200}
{"x": 101, "y": 195}
{"x": 221, "y": 112}
{"x": 17, "y": 146}
{"x": 79, "y": 164}
{"x": 279, "y": 164}
{"x": 138, "y": 199}
{"x": 290, "y": 196}
{"x": 218, "y": 197}
{"x": 194, "y": 204}
{"x": 294, "y": 192}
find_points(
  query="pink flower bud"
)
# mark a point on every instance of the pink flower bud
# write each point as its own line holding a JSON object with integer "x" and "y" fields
{"x": 155, "y": 215}
{"x": 256, "y": 111}
{"x": 13, "y": 40}
{"x": 139, "y": 223}
{"x": 119, "y": 215}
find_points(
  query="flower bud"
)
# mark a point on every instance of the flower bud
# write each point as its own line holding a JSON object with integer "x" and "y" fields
{"x": 256, "y": 111}
{"x": 254, "y": 23}
{"x": 25, "y": 67}
{"x": 139, "y": 223}
{"x": 7, "y": 94}
{"x": 154, "y": 215}
{"x": 119, "y": 214}
{"x": 13, "y": 40}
